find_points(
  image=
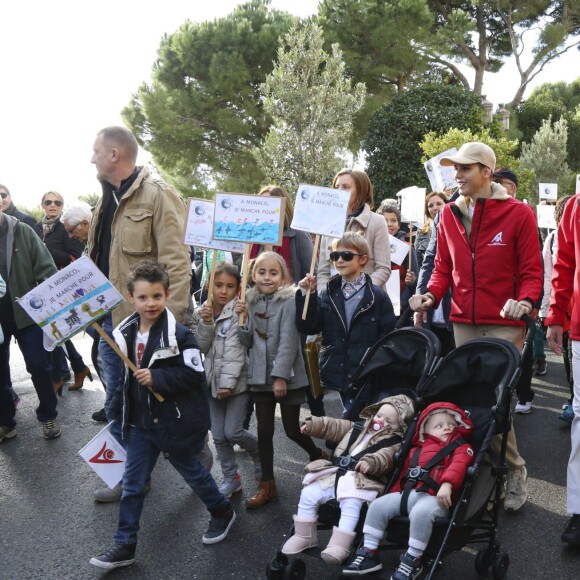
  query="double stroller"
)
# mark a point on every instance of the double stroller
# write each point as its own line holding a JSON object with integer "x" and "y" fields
{"x": 478, "y": 377}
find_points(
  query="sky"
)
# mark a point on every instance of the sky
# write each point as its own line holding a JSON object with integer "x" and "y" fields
{"x": 67, "y": 69}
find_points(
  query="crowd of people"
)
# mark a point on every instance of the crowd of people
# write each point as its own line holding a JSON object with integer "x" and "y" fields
{"x": 474, "y": 270}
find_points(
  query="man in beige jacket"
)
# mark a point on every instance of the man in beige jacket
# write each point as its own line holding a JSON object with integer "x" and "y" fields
{"x": 138, "y": 216}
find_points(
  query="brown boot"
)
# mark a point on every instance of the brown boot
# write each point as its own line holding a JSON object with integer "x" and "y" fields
{"x": 266, "y": 493}
{"x": 80, "y": 379}
{"x": 57, "y": 385}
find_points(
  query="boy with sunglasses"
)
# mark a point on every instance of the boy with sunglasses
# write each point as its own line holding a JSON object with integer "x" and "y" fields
{"x": 351, "y": 312}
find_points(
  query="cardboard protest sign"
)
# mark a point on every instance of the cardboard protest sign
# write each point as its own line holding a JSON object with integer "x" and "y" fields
{"x": 251, "y": 219}
{"x": 106, "y": 457}
{"x": 548, "y": 191}
{"x": 199, "y": 228}
{"x": 70, "y": 300}
{"x": 441, "y": 178}
{"x": 399, "y": 250}
{"x": 413, "y": 204}
{"x": 320, "y": 210}
{"x": 546, "y": 217}
{"x": 393, "y": 289}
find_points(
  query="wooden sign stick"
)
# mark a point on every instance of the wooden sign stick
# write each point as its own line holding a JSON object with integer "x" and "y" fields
{"x": 244, "y": 279}
{"x": 125, "y": 359}
{"x": 214, "y": 255}
{"x": 312, "y": 263}
{"x": 411, "y": 248}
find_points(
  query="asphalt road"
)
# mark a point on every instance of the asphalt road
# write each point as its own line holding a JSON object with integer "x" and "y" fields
{"x": 50, "y": 526}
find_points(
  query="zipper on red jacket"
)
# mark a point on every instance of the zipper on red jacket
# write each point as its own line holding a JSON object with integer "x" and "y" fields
{"x": 473, "y": 247}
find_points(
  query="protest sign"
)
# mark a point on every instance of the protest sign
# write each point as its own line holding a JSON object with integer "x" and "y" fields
{"x": 251, "y": 219}
{"x": 393, "y": 289}
{"x": 578, "y": 183}
{"x": 413, "y": 204}
{"x": 399, "y": 250}
{"x": 441, "y": 178}
{"x": 106, "y": 457}
{"x": 70, "y": 300}
{"x": 548, "y": 191}
{"x": 320, "y": 210}
{"x": 546, "y": 217}
{"x": 199, "y": 228}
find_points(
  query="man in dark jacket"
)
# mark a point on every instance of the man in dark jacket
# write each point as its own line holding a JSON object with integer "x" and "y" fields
{"x": 8, "y": 208}
{"x": 24, "y": 263}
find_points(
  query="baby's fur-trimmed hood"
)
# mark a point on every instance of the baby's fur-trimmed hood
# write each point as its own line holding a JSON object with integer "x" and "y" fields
{"x": 402, "y": 404}
{"x": 283, "y": 293}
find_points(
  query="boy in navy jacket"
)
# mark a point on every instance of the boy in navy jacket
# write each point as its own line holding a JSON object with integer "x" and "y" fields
{"x": 351, "y": 312}
{"x": 169, "y": 364}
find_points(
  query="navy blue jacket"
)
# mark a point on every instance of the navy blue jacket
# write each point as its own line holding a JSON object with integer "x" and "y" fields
{"x": 182, "y": 420}
{"x": 343, "y": 350}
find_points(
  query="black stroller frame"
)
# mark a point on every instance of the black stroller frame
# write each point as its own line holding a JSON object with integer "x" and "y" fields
{"x": 479, "y": 377}
{"x": 403, "y": 358}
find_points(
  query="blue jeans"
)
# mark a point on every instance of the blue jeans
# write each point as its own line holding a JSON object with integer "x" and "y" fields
{"x": 37, "y": 364}
{"x": 142, "y": 453}
{"x": 112, "y": 365}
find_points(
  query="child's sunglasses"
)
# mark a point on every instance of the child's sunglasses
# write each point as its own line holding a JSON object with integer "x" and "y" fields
{"x": 347, "y": 255}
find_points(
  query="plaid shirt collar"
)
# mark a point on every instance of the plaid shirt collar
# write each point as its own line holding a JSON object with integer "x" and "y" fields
{"x": 352, "y": 287}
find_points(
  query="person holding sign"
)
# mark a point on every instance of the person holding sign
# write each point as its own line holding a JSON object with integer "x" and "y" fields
{"x": 24, "y": 263}
{"x": 169, "y": 363}
{"x": 296, "y": 249}
{"x": 351, "y": 312}
{"x": 408, "y": 272}
{"x": 215, "y": 326}
{"x": 360, "y": 219}
{"x": 276, "y": 372}
{"x": 488, "y": 251}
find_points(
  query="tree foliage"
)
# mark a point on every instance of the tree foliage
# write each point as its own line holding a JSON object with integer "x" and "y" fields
{"x": 312, "y": 105}
{"x": 396, "y": 130}
{"x": 90, "y": 198}
{"x": 556, "y": 101}
{"x": 201, "y": 114}
{"x": 545, "y": 155}
{"x": 505, "y": 152}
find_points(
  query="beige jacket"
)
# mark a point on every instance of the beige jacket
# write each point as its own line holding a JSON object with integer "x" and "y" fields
{"x": 374, "y": 228}
{"x": 339, "y": 430}
{"x": 148, "y": 223}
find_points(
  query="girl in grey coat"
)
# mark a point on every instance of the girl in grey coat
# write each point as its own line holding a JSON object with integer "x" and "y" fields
{"x": 215, "y": 326}
{"x": 276, "y": 372}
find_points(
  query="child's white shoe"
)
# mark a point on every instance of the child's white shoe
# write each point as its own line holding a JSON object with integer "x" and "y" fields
{"x": 338, "y": 547}
{"x": 305, "y": 536}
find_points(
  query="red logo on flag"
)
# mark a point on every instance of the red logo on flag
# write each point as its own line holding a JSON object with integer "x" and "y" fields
{"x": 105, "y": 456}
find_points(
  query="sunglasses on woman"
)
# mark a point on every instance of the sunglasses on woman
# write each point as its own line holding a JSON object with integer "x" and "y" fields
{"x": 48, "y": 202}
{"x": 346, "y": 255}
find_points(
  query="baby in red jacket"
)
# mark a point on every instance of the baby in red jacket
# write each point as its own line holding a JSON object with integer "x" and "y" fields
{"x": 433, "y": 474}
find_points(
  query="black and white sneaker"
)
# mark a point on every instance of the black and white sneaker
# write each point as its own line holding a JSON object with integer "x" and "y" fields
{"x": 365, "y": 562}
{"x": 219, "y": 526}
{"x": 116, "y": 557}
{"x": 408, "y": 569}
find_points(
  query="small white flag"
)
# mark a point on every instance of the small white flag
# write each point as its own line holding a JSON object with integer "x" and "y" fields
{"x": 105, "y": 456}
{"x": 399, "y": 250}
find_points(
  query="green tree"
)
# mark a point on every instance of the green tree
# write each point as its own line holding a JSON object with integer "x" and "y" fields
{"x": 201, "y": 114}
{"x": 396, "y": 130}
{"x": 379, "y": 42}
{"x": 545, "y": 155}
{"x": 505, "y": 151}
{"x": 312, "y": 105}
{"x": 556, "y": 101}
{"x": 91, "y": 198}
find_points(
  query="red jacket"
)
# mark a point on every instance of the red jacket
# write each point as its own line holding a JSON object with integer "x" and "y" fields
{"x": 501, "y": 260}
{"x": 566, "y": 273}
{"x": 453, "y": 467}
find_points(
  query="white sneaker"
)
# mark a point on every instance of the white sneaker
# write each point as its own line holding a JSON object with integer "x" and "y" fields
{"x": 523, "y": 408}
{"x": 230, "y": 485}
{"x": 516, "y": 489}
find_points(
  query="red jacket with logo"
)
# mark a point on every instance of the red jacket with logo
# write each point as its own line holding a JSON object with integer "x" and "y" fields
{"x": 566, "y": 273}
{"x": 500, "y": 260}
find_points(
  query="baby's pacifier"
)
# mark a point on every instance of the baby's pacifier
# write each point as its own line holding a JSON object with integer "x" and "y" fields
{"x": 377, "y": 425}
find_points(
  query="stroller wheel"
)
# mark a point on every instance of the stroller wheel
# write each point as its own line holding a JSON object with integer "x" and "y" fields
{"x": 483, "y": 560}
{"x": 276, "y": 566}
{"x": 500, "y": 565}
{"x": 296, "y": 570}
